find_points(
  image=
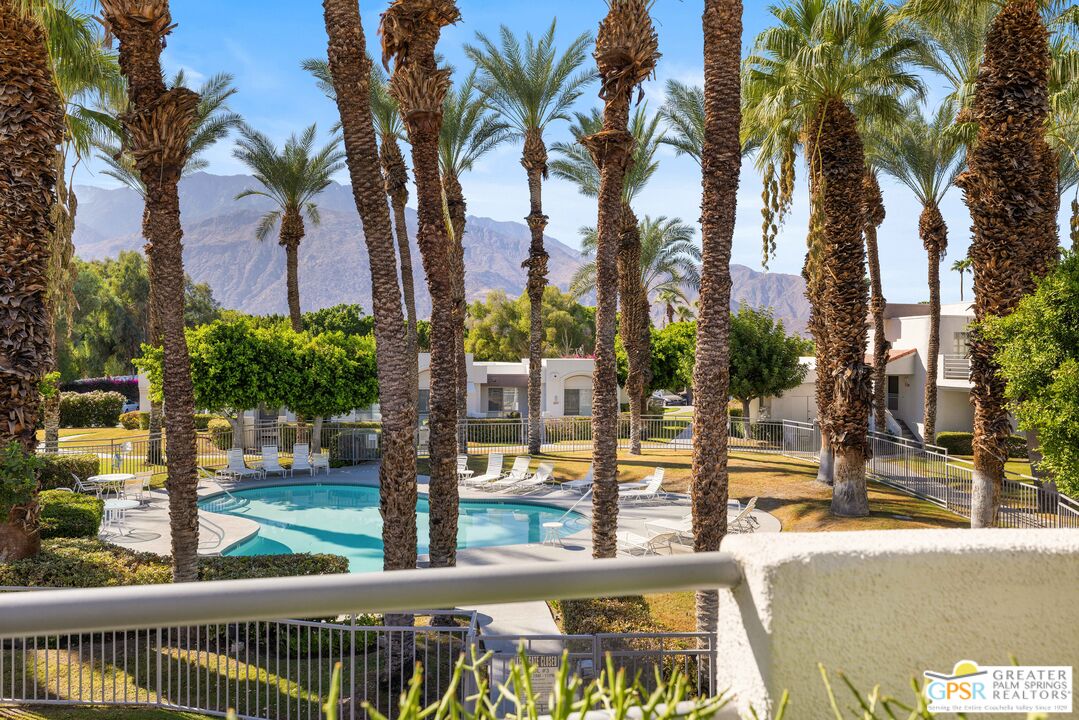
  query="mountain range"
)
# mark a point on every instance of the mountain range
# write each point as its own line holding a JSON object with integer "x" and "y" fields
{"x": 220, "y": 249}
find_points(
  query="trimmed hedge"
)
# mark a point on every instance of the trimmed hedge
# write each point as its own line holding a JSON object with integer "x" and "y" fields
{"x": 606, "y": 615}
{"x": 92, "y": 409}
{"x": 202, "y": 421}
{"x": 135, "y": 420}
{"x": 71, "y": 562}
{"x": 57, "y": 470}
{"x": 69, "y": 515}
{"x": 961, "y": 443}
{"x": 220, "y": 433}
{"x": 127, "y": 385}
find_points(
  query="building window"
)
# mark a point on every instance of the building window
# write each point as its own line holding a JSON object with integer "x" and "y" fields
{"x": 961, "y": 344}
{"x": 578, "y": 402}
{"x": 893, "y": 393}
{"x": 501, "y": 400}
{"x": 423, "y": 402}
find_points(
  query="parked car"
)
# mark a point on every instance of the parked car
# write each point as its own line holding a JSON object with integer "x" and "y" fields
{"x": 668, "y": 398}
{"x": 130, "y": 407}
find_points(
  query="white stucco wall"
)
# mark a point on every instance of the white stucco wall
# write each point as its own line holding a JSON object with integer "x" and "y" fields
{"x": 884, "y": 606}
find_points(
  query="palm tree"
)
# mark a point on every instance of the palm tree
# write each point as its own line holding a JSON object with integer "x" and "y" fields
{"x": 291, "y": 179}
{"x": 1005, "y": 189}
{"x": 468, "y": 133}
{"x": 872, "y": 217}
{"x": 84, "y": 71}
{"x": 924, "y": 155}
{"x": 214, "y": 120}
{"x": 410, "y": 31}
{"x": 683, "y": 111}
{"x": 626, "y": 53}
{"x": 720, "y": 167}
{"x": 670, "y": 260}
{"x": 390, "y": 131}
{"x": 576, "y": 165}
{"x": 28, "y": 141}
{"x": 532, "y": 86}
{"x": 157, "y": 129}
{"x": 961, "y": 267}
{"x": 350, "y": 75}
{"x": 673, "y": 303}
{"x": 825, "y": 65}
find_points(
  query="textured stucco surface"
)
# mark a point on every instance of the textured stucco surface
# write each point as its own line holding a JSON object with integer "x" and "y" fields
{"x": 884, "y": 606}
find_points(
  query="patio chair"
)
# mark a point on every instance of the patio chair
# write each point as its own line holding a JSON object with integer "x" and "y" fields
{"x": 537, "y": 482}
{"x": 137, "y": 487}
{"x": 236, "y": 468}
{"x": 651, "y": 491}
{"x": 517, "y": 473}
{"x": 271, "y": 462}
{"x": 320, "y": 461}
{"x": 463, "y": 473}
{"x": 633, "y": 544}
{"x": 744, "y": 522}
{"x": 82, "y": 487}
{"x": 579, "y": 486}
{"x": 301, "y": 458}
{"x": 493, "y": 471}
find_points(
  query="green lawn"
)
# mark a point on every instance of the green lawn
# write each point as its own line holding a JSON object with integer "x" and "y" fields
{"x": 95, "y": 435}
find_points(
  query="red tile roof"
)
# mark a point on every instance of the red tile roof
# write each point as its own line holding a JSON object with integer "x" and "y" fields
{"x": 893, "y": 355}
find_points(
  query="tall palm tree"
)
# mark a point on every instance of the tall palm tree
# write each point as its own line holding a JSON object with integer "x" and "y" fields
{"x": 214, "y": 120}
{"x": 1014, "y": 234}
{"x": 390, "y": 131}
{"x": 28, "y": 173}
{"x": 410, "y": 30}
{"x": 961, "y": 267}
{"x": 825, "y": 65}
{"x": 468, "y": 133}
{"x": 626, "y": 53}
{"x": 291, "y": 179}
{"x": 157, "y": 129}
{"x": 683, "y": 112}
{"x": 925, "y": 156}
{"x": 350, "y": 76}
{"x": 532, "y": 87}
{"x": 576, "y": 165}
{"x": 720, "y": 167}
{"x": 872, "y": 217}
{"x": 670, "y": 260}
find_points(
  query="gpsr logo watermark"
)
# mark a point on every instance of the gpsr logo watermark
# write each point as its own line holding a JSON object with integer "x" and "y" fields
{"x": 1005, "y": 688}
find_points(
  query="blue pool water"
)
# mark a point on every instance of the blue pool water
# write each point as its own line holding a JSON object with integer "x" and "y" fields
{"x": 344, "y": 520}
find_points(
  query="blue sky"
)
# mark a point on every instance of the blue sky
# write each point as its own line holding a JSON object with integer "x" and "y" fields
{"x": 262, "y": 44}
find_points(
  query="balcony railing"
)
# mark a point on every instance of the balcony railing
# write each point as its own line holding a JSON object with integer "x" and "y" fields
{"x": 956, "y": 367}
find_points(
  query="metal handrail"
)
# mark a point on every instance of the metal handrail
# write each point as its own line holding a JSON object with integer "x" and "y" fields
{"x": 225, "y": 601}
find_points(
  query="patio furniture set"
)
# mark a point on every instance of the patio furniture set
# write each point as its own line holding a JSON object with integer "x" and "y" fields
{"x": 302, "y": 460}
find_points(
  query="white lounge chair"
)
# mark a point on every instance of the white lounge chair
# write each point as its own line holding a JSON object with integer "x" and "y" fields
{"x": 463, "y": 473}
{"x": 493, "y": 471}
{"x": 744, "y": 522}
{"x": 517, "y": 473}
{"x": 271, "y": 462}
{"x": 535, "y": 483}
{"x": 301, "y": 458}
{"x": 651, "y": 491}
{"x": 320, "y": 461}
{"x": 634, "y": 544}
{"x": 237, "y": 469}
{"x": 579, "y": 486}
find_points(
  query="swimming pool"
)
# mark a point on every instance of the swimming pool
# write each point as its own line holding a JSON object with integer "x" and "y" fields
{"x": 344, "y": 520}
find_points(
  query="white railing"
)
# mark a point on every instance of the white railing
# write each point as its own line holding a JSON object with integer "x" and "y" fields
{"x": 210, "y": 646}
{"x": 955, "y": 367}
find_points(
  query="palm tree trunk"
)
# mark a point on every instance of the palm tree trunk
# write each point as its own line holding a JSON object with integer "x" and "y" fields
{"x": 534, "y": 161}
{"x": 157, "y": 127}
{"x": 816, "y": 282}
{"x": 419, "y": 87}
{"x": 393, "y": 166}
{"x": 635, "y": 326}
{"x": 720, "y": 166}
{"x": 154, "y": 424}
{"x": 351, "y": 72}
{"x": 934, "y": 234}
{"x": 626, "y": 54}
{"x": 961, "y": 286}
{"x": 292, "y": 232}
{"x": 838, "y": 166}
{"x": 874, "y": 216}
{"x": 32, "y": 128}
{"x": 456, "y": 209}
{"x": 1004, "y": 192}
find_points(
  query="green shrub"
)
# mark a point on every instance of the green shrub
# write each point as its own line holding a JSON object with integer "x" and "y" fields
{"x": 220, "y": 432}
{"x": 92, "y": 409}
{"x": 135, "y": 420}
{"x": 18, "y": 477}
{"x": 56, "y": 470}
{"x": 202, "y": 421}
{"x": 961, "y": 443}
{"x": 81, "y": 562}
{"x": 69, "y": 515}
{"x": 606, "y": 615}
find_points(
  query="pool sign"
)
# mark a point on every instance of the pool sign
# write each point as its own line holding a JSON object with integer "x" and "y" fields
{"x": 1001, "y": 689}
{"x": 544, "y": 676}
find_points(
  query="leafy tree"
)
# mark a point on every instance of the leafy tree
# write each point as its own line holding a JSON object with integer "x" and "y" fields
{"x": 200, "y": 307}
{"x": 764, "y": 358}
{"x": 347, "y": 319}
{"x": 1037, "y": 351}
{"x": 498, "y": 329}
{"x": 673, "y": 352}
